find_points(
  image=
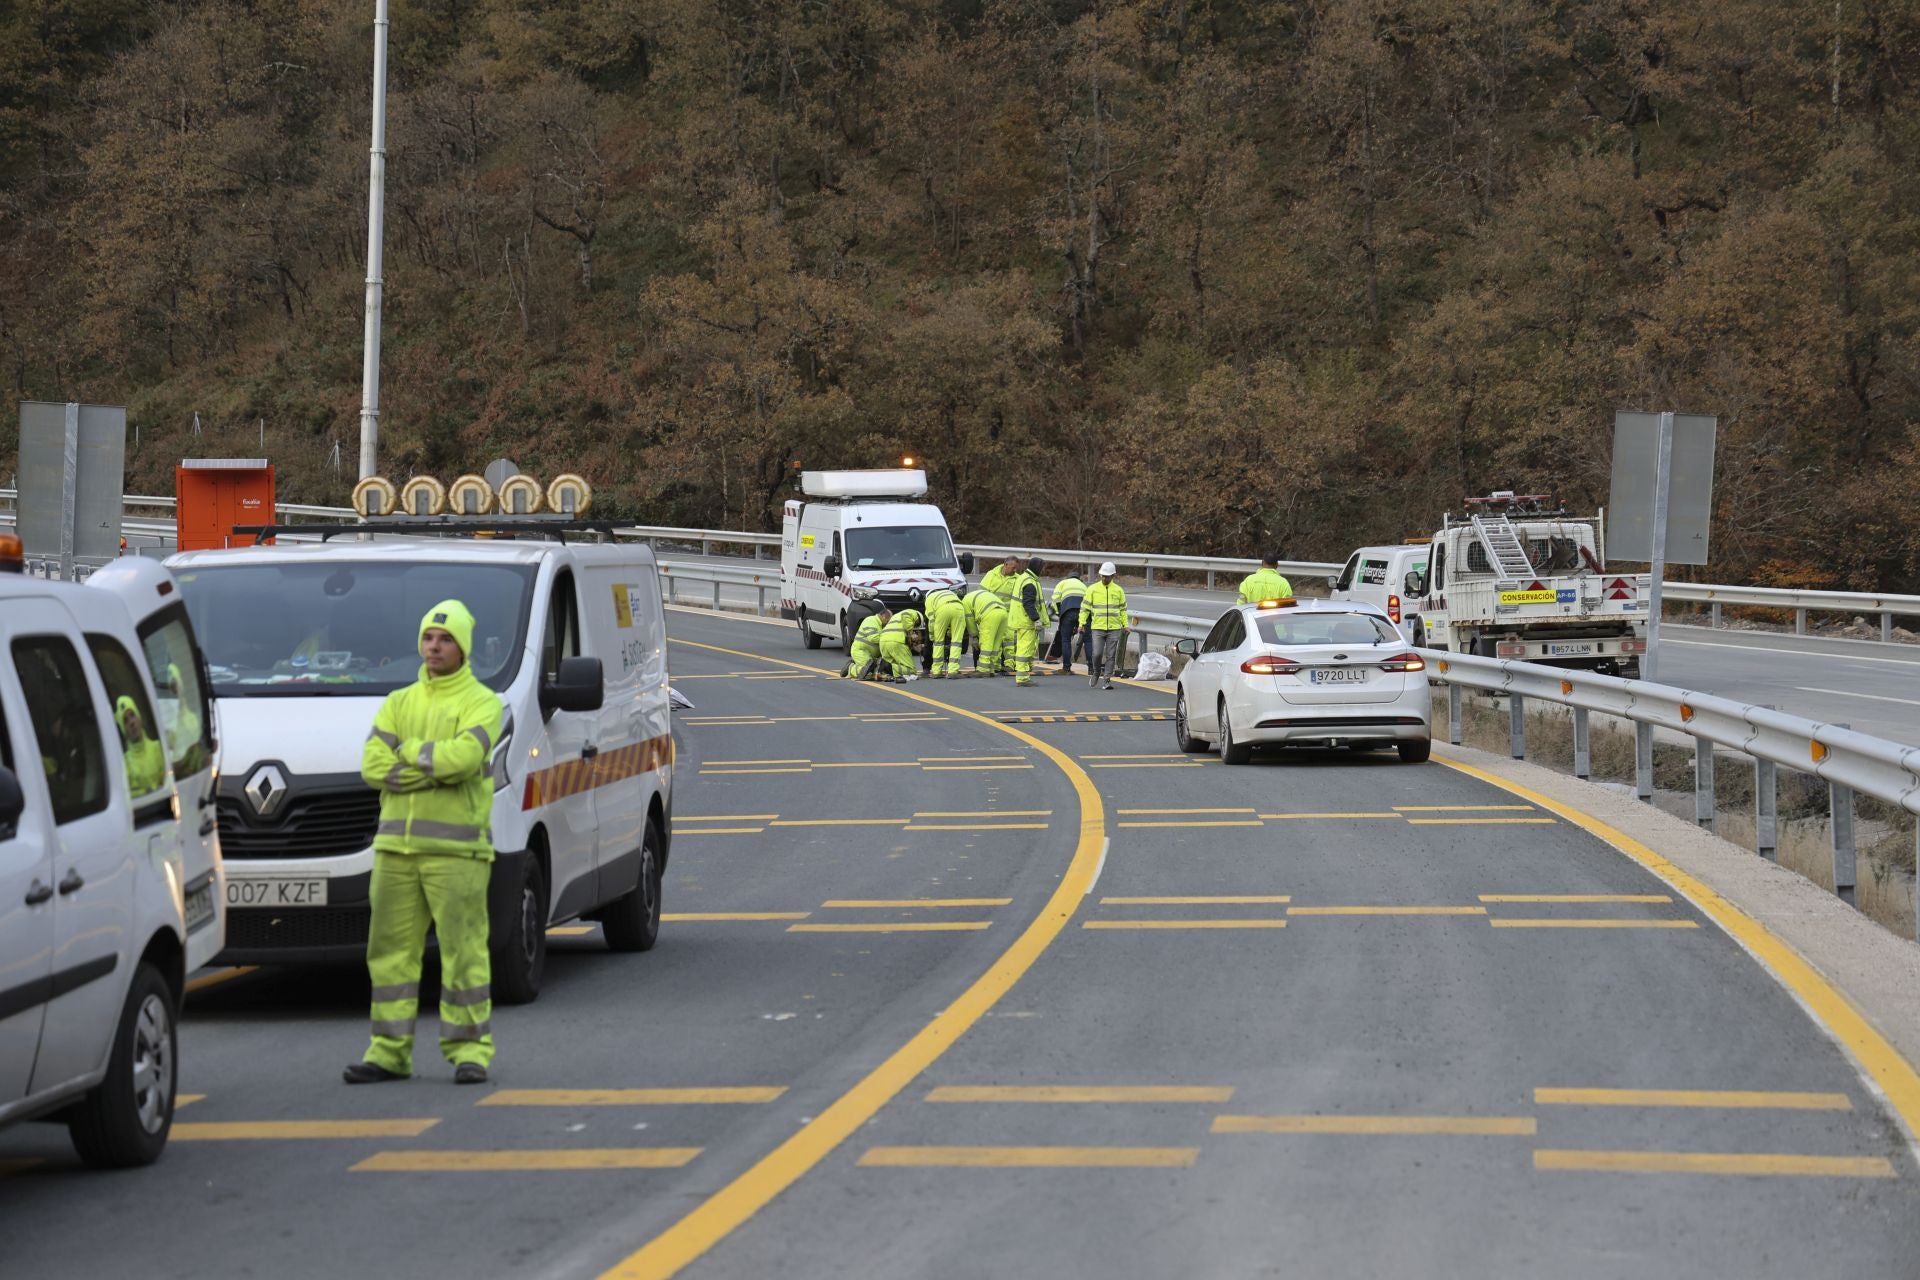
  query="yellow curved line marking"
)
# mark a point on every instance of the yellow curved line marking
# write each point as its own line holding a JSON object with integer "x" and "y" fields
{"x": 1882, "y": 1062}
{"x": 780, "y": 1168}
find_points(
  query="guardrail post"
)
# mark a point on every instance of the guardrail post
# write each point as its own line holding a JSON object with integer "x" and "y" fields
{"x": 1643, "y": 760}
{"x": 672, "y": 590}
{"x": 1209, "y": 579}
{"x": 1149, "y": 569}
{"x": 1840, "y": 805}
{"x": 1703, "y": 802}
{"x": 760, "y": 599}
{"x": 1714, "y": 614}
{"x": 1886, "y": 628}
{"x": 1799, "y": 622}
{"x": 1453, "y": 713}
{"x": 1916, "y": 882}
{"x": 716, "y": 595}
{"x": 1517, "y": 726}
{"x": 1582, "y": 745}
{"x": 1766, "y": 821}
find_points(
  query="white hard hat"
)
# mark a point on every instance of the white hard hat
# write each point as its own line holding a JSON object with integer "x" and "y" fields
{"x": 1107, "y": 570}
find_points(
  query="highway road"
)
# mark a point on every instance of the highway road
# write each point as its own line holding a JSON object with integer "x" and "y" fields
{"x": 964, "y": 980}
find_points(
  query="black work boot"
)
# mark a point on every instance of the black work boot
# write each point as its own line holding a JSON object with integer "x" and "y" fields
{"x": 469, "y": 1073}
{"x": 368, "y": 1073}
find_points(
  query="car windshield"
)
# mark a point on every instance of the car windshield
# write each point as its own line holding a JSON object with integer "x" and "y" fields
{"x": 913, "y": 546}
{"x": 1324, "y": 628}
{"x": 344, "y": 627}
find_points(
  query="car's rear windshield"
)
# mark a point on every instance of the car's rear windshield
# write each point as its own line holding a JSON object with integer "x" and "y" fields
{"x": 1324, "y": 628}
{"x": 350, "y": 628}
{"x": 913, "y": 546}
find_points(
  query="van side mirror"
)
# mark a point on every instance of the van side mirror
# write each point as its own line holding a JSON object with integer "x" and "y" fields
{"x": 13, "y": 803}
{"x": 1416, "y": 583}
{"x": 831, "y": 566}
{"x": 966, "y": 562}
{"x": 1333, "y": 584}
{"x": 1188, "y": 648}
{"x": 580, "y": 686}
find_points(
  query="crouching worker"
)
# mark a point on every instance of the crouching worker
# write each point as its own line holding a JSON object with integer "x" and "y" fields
{"x": 897, "y": 644}
{"x": 864, "y": 652}
{"x": 432, "y": 854}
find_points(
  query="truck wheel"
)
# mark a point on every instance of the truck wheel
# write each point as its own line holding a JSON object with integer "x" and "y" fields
{"x": 521, "y": 960}
{"x": 808, "y": 636}
{"x": 1419, "y": 635}
{"x": 1231, "y": 752}
{"x": 125, "y": 1120}
{"x": 632, "y": 922}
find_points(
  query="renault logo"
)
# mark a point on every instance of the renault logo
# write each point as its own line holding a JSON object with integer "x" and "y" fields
{"x": 265, "y": 790}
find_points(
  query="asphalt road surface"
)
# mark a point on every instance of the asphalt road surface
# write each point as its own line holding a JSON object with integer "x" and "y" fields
{"x": 982, "y": 981}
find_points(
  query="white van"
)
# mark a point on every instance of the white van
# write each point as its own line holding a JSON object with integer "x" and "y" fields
{"x": 93, "y": 925}
{"x": 302, "y": 644}
{"x": 1378, "y": 576}
{"x": 858, "y": 537}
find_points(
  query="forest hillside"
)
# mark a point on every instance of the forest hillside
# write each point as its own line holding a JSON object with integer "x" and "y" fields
{"x": 1213, "y": 277}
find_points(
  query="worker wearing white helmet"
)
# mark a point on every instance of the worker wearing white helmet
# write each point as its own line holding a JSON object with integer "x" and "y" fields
{"x": 1103, "y": 616}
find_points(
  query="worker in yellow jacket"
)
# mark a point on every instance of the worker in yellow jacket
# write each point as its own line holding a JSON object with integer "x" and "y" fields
{"x": 145, "y": 759}
{"x": 428, "y": 756}
{"x": 1265, "y": 583}
{"x": 950, "y": 623}
{"x": 897, "y": 640}
{"x": 1000, "y": 581}
{"x": 989, "y": 610}
{"x": 1103, "y": 619}
{"x": 1026, "y": 614}
{"x": 863, "y": 655}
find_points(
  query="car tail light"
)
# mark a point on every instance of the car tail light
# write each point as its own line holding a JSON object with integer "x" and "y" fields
{"x": 1393, "y": 607}
{"x": 1270, "y": 666}
{"x": 1510, "y": 649}
{"x": 1404, "y": 662}
{"x": 1633, "y": 646}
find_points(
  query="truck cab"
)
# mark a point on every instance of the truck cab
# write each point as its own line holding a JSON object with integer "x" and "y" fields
{"x": 1377, "y": 576}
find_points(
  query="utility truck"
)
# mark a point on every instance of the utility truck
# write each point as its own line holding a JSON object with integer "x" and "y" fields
{"x": 1517, "y": 577}
{"x": 856, "y": 540}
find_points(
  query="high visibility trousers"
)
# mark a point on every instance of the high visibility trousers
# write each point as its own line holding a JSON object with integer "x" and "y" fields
{"x": 896, "y": 659}
{"x": 949, "y": 638}
{"x": 1109, "y": 650}
{"x": 411, "y": 891}
{"x": 993, "y": 628}
{"x": 1025, "y": 639}
{"x": 859, "y": 659}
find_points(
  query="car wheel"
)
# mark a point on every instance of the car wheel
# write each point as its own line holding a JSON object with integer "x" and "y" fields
{"x": 632, "y": 922}
{"x": 1188, "y": 743}
{"x": 125, "y": 1120}
{"x": 1416, "y": 752}
{"x": 521, "y": 960}
{"x": 1231, "y": 752}
{"x": 808, "y": 636}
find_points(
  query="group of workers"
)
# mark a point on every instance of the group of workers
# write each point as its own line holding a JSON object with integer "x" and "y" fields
{"x": 1001, "y": 620}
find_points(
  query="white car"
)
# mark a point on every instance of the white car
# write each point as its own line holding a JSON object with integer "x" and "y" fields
{"x": 1303, "y": 673}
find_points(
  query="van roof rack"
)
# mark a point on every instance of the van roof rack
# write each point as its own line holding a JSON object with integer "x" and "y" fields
{"x": 453, "y": 526}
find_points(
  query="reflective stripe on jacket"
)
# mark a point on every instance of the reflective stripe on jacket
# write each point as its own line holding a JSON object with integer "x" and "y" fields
{"x": 1029, "y": 603}
{"x": 1000, "y": 582}
{"x": 940, "y": 599}
{"x": 980, "y": 600}
{"x": 427, "y": 756}
{"x": 1264, "y": 584}
{"x": 1104, "y": 607}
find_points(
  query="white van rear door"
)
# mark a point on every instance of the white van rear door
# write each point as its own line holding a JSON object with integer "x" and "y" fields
{"x": 620, "y": 605}
{"x": 26, "y": 884}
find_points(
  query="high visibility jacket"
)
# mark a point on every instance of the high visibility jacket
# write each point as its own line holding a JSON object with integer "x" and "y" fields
{"x": 980, "y": 600}
{"x": 868, "y": 632}
{"x": 146, "y": 760}
{"x": 902, "y": 622}
{"x": 1264, "y": 584}
{"x": 998, "y": 581}
{"x": 940, "y": 599}
{"x": 1067, "y": 588}
{"x": 1029, "y": 603}
{"x": 428, "y": 755}
{"x": 1104, "y": 607}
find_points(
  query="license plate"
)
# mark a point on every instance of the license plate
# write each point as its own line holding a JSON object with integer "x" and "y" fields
{"x": 200, "y": 908}
{"x": 1336, "y": 675}
{"x": 1568, "y": 650}
{"x": 277, "y": 893}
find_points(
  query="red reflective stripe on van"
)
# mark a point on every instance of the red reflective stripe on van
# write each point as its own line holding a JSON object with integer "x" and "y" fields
{"x": 574, "y": 777}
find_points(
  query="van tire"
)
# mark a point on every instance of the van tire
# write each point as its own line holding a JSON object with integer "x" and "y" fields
{"x": 631, "y": 922}
{"x": 808, "y": 636}
{"x": 1232, "y": 752}
{"x": 125, "y": 1120}
{"x": 521, "y": 959}
{"x": 846, "y": 634}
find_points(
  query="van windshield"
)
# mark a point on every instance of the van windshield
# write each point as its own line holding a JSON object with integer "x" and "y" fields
{"x": 347, "y": 628}
{"x": 914, "y": 546}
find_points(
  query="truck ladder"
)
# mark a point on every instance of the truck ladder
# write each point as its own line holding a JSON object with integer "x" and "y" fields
{"x": 1504, "y": 547}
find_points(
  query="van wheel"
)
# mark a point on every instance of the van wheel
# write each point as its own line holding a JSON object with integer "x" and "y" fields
{"x": 632, "y": 921}
{"x": 1418, "y": 752}
{"x": 1188, "y": 743}
{"x": 521, "y": 960}
{"x": 125, "y": 1120}
{"x": 808, "y": 636}
{"x": 1231, "y": 752}
{"x": 846, "y": 634}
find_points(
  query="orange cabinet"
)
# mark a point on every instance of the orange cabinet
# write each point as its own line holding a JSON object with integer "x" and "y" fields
{"x": 216, "y": 496}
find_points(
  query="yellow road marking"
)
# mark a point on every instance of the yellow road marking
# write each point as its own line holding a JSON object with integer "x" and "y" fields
{"x": 1744, "y": 1099}
{"x": 1150, "y": 755}
{"x": 1893, "y": 1074}
{"x": 1176, "y": 764}
{"x": 971, "y": 759}
{"x": 249, "y": 1130}
{"x": 788, "y": 769}
{"x": 988, "y": 813}
{"x": 1713, "y": 1162}
{"x": 570, "y": 931}
{"x": 734, "y": 915}
{"x": 970, "y": 768}
{"x": 903, "y": 926}
{"x": 909, "y": 903}
{"x": 1184, "y": 924}
{"x": 219, "y": 976}
{"x": 1512, "y": 922}
{"x": 1386, "y": 911}
{"x": 867, "y": 764}
{"x": 1575, "y": 897}
{"x": 187, "y": 1099}
{"x": 1246, "y": 899}
{"x": 724, "y": 817}
{"x": 1461, "y": 808}
{"x": 19, "y": 1164}
{"x": 981, "y": 826}
{"x": 756, "y": 762}
{"x": 527, "y": 1161}
{"x": 1209, "y": 822}
{"x": 839, "y": 822}
{"x": 1138, "y": 812}
{"x": 1472, "y": 1126}
{"x": 674, "y": 1097}
{"x": 1480, "y": 822}
{"x": 691, "y": 1236}
{"x": 1030, "y": 1157}
{"x": 727, "y": 831}
{"x": 1275, "y": 817}
{"x": 1080, "y": 1093}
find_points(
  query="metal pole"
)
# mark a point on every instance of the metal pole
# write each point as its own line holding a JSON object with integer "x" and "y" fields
{"x": 1662, "y": 484}
{"x": 1453, "y": 713}
{"x": 1840, "y": 803}
{"x": 1582, "y": 744}
{"x": 1766, "y": 797}
{"x": 376, "y": 212}
{"x": 1517, "y": 726}
{"x": 1703, "y": 794}
{"x": 69, "y": 489}
{"x": 1643, "y": 760}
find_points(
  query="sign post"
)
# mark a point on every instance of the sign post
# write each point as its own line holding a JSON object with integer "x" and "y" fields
{"x": 1661, "y": 509}
{"x": 72, "y": 472}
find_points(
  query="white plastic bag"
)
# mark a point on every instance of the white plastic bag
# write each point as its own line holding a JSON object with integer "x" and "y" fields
{"x": 1153, "y": 666}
